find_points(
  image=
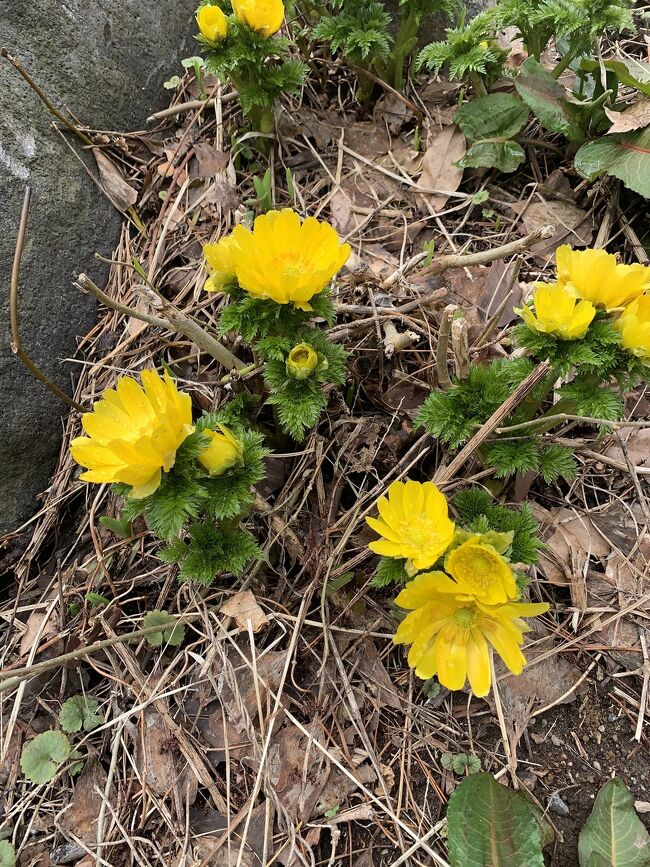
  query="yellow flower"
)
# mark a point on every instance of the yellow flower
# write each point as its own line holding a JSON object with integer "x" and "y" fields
{"x": 213, "y": 24}
{"x": 596, "y": 276}
{"x": 480, "y": 571}
{"x": 558, "y": 312}
{"x": 414, "y": 524}
{"x": 634, "y": 327}
{"x": 450, "y": 632}
{"x": 302, "y": 361}
{"x": 220, "y": 258}
{"x": 134, "y": 432}
{"x": 286, "y": 260}
{"x": 263, "y": 16}
{"x": 224, "y": 451}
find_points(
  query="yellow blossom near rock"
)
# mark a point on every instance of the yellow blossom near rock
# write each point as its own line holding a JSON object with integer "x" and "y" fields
{"x": 634, "y": 327}
{"x": 414, "y": 524}
{"x": 558, "y": 312}
{"x": 263, "y": 16}
{"x": 221, "y": 263}
{"x": 134, "y": 432}
{"x": 302, "y": 361}
{"x": 481, "y": 572}
{"x": 224, "y": 450}
{"x": 596, "y": 276}
{"x": 450, "y": 633}
{"x": 284, "y": 258}
{"x": 212, "y": 23}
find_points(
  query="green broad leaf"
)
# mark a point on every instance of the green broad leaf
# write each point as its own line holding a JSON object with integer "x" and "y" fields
{"x": 7, "y": 854}
{"x": 79, "y": 712}
{"x": 626, "y": 157}
{"x": 498, "y": 115}
{"x": 633, "y": 73}
{"x": 97, "y": 599}
{"x": 120, "y": 528}
{"x": 614, "y": 834}
{"x": 547, "y": 99}
{"x": 172, "y": 83}
{"x": 339, "y": 583}
{"x": 171, "y": 631}
{"x": 491, "y": 826}
{"x": 43, "y": 756}
{"x": 506, "y": 156}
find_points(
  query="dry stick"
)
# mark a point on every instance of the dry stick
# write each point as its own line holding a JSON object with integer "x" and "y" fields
{"x": 184, "y": 324}
{"x": 85, "y": 284}
{"x": 445, "y": 474}
{"x": 442, "y": 370}
{"x": 16, "y": 343}
{"x": 37, "y": 668}
{"x": 565, "y": 416}
{"x": 39, "y": 92}
{"x": 464, "y": 260}
{"x": 189, "y": 106}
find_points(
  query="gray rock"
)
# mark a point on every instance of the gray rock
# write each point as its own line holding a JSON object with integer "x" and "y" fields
{"x": 558, "y": 806}
{"x": 106, "y": 60}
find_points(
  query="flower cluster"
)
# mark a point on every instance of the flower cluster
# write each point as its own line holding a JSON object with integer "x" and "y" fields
{"x": 262, "y": 16}
{"x": 466, "y": 604}
{"x": 277, "y": 275}
{"x": 182, "y": 476}
{"x": 589, "y": 281}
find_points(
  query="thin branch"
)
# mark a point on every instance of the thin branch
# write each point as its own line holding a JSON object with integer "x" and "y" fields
{"x": 464, "y": 260}
{"x": 48, "y": 104}
{"x": 445, "y": 474}
{"x": 563, "y": 416}
{"x": 85, "y": 284}
{"x": 442, "y": 369}
{"x": 16, "y": 343}
{"x": 192, "y": 104}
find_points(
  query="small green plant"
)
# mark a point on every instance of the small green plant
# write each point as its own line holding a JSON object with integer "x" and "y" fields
{"x": 42, "y": 757}
{"x": 79, "y": 713}
{"x": 245, "y": 48}
{"x": 487, "y": 823}
{"x": 462, "y": 764}
{"x": 588, "y": 342}
{"x": 171, "y": 631}
{"x": 360, "y": 30}
{"x": 7, "y": 854}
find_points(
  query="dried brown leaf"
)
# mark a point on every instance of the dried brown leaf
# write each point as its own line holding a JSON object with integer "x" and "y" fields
{"x": 122, "y": 195}
{"x": 637, "y": 116}
{"x": 210, "y": 160}
{"x": 80, "y": 818}
{"x": 439, "y": 171}
{"x": 573, "y": 225}
{"x": 244, "y": 609}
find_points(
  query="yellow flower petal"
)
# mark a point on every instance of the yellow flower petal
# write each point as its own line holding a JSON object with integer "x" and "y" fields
{"x": 212, "y": 23}
{"x": 558, "y": 312}
{"x": 596, "y": 276}
{"x": 478, "y": 663}
{"x": 634, "y": 327}
{"x": 451, "y": 657}
{"x": 420, "y": 590}
{"x": 481, "y": 571}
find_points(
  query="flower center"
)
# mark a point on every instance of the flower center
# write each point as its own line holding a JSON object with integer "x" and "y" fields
{"x": 477, "y": 568}
{"x": 289, "y": 265}
{"x": 419, "y": 532}
{"x": 464, "y": 618}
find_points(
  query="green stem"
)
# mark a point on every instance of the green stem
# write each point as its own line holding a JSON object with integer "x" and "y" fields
{"x": 564, "y": 63}
{"x": 478, "y": 84}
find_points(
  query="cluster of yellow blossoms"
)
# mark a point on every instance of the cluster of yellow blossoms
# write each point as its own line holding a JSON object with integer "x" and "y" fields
{"x": 455, "y": 614}
{"x": 284, "y": 258}
{"x": 587, "y": 280}
{"x": 134, "y": 432}
{"x": 265, "y": 17}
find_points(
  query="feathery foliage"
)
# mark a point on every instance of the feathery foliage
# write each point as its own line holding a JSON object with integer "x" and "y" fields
{"x": 210, "y": 551}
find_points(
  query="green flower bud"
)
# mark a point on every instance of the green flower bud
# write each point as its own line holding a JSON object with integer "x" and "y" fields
{"x": 302, "y": 361}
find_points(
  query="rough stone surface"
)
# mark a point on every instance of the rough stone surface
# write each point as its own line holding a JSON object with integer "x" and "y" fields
{"x": 106, "y": 60}
{"x": 434, "y": 27}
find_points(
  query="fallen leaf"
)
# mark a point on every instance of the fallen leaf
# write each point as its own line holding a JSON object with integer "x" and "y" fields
{"x": 122, "y": 195}
{"x": 637, "y": 442}
{"x": 215, "y": 852}
{"x": 378, "y": 680}
{"x": 637, "y": 116}
{"x": 244, "y": 609}
{"x": 392, "y": 112}
{"x": 39, "y": 628}
{"x": 80, "y": 818}
{"x": 573, "y": 225}
{"x": 160, "y": 761}
{"x": 439, "y": 171}
{"x": 298, "y": 770}
{"x": 498, "y": 283}
{"x": 210, "y": 160}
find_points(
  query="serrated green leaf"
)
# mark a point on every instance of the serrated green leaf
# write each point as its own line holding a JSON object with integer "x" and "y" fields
{"x": 626, "y": 157}
{"x": 489, "y": 824}
{"x": 171, "y": 631}
{"x": 79, "y": 712}
{"x": 447, "y": 761}
{"x": 43, "y": 756}
{"x": 547, "y": 99}
{"x": 614, "y": 834}
{"x": 7, "y": 854}
{"x": 633, "y": 73}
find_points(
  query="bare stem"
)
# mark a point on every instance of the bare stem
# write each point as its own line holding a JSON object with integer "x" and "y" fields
{"x": 16, "y": 343}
